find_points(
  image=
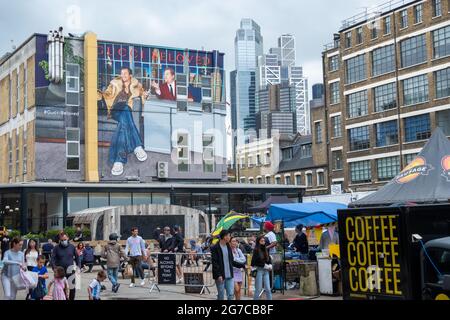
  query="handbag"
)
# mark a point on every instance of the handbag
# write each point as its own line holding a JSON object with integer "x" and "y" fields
{"x": 30, "y": 279}
{"x": 253, "y": 273}
{"x": 18, "y": 282}
{"x": 268, "y": 267}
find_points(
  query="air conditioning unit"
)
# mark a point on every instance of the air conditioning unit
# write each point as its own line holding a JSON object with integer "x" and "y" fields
{"x": 162, "y": 169}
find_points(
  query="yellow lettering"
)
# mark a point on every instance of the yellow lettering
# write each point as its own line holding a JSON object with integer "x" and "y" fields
{"x": 350, "y": 235}
{"x": 375, "y": 226}
{"x": 359, "y": 228}
{"x": 368, "y": 227}
{"x": 396, "y": 281}
{"x": 351, "y": 252}
{"x": 392, "y": 227}
{"x": 387, "y": 280}
{"x": 352, "y": 275}
{"x": 386, "y": 252}
{"x": 394, "y": 251}
{"x": 383, "y": 228}
{"x": 363, "y": 279}
{"x": 361, "y": 250}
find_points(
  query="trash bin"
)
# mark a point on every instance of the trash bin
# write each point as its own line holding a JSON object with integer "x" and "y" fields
{"x": 308, "y": 274}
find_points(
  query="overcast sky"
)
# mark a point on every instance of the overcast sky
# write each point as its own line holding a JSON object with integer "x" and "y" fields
{"x": 193, "y": 24}
{"x": 187, "y": 24}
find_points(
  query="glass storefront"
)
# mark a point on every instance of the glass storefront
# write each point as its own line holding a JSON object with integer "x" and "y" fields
{"x": 46, "y": 207}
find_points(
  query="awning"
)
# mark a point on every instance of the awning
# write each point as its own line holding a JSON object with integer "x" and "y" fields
{"x": 308, "y": 214}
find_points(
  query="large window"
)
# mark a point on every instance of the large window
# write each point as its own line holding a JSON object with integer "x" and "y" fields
{"x": 442, "y": 82}
{"x": 318, "y": 131}
{"x": 286, "y": 154}
{"x": 348, "y": 39}
{"x": 437, "y": 8}
{"x": 25, "y": 86}
{"x": 385, "y": 97}
{"x": 388, "y": 168}
{"x": 287, "y": 180}
{"x": 10, "y": 157}
{"x": 17, "y": 153}
{"x": 387, "y": 133}
{"x": 357, "y": 104}
{"x": 360, "y": 172}
{"x": 409, "y": 158}
{"x": 359, "y": 35}
{"x": 333, "y": 63}
{"x": 73, "y": 149}
{"x": 356, "y": 69}
{"x": 305, "y": 151}
{"x": 383, "y": 60}
{"x": 336, "y": 125}
{"x": 415, "y": 90}
{"x": 387, "y": 25}
{"x": 403, "y": 19}
{"x": 309, "y": 180}
{"x": 413, "y": 51}
{"x": 374, "y": 30}
{"x": 335, "y": 94}
{"x": 418, "y": 13}
{"x": 417, "y": 128}
{"x": 443, "y": 121}
{"x": 120, "y": 199}
{"x": 183, "y": 152}
{"x": 337, "y": 159}
{"x": 441, "y": 42}
{"x": 320, "y": 178}
{"x": 208, "y": 153}
{"x": 359, "y": 138}
{"x": 72, "y": 84}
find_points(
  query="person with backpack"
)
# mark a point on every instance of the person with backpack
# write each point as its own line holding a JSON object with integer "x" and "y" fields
{"x": 13, "y": 261}
{"x": 113, "y": 252}
{"x": 40, "y": 291}
{"x": 88, "y": 257}
{"x": 98, "y": 255}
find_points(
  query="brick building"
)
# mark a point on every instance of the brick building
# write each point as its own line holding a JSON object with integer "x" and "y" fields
{"x": 387, "y": 86}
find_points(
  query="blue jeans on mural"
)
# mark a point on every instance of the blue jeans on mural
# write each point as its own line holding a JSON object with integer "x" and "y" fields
{"x": 126, "y": 138}
{"x": 262, "y": 280}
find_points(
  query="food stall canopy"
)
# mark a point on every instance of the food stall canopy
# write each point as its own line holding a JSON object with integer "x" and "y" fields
{"x": 425, "y": 180}
{"x": 263, "y": 207}
{"x": 308, "y": 214}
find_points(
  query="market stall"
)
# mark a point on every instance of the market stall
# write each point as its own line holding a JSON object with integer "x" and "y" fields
{"x": 409, "y": 218}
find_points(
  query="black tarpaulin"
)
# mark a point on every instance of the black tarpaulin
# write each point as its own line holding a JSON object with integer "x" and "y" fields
{"x": 425, "y": 180}
{"x": 263, "y": 207}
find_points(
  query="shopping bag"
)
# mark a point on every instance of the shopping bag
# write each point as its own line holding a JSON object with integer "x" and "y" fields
{"x": 18, "y": 282}
{"x": 29, "y": 278}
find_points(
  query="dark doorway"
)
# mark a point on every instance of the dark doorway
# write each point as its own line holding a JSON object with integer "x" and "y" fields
{"x": 147, "y": 224}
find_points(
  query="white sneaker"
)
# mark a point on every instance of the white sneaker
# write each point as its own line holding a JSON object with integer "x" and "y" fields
{"x": 131, "y": 285}
{"x": 180, "y": 280}
{"x": 140, "y": 153}
{"x": 142, "y": 283}
{"x": 117, "y": 169}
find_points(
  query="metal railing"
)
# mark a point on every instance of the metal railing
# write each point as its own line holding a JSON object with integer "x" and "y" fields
{"x": 373, "y": 12}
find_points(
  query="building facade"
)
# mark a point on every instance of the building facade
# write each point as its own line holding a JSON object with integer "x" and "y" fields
{"x": 387, "y": 86}
{"x": 87, "y": 123}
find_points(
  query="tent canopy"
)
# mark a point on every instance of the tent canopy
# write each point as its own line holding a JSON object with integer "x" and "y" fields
{"x": 425, "y": 180}
{"x": 308, "y": 214}
{"x": 263, "y": 207}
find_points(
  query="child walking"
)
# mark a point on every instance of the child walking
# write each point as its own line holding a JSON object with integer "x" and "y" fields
{"x": 40, "y": 291}
{"x": 95, "y": 287}
{"x": 60, "y": 285}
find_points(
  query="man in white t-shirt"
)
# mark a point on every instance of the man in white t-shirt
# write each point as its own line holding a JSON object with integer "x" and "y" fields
{"x": 271, "y": 237}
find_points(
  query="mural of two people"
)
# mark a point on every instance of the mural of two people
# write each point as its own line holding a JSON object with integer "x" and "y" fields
{"x": 126, "y": 139}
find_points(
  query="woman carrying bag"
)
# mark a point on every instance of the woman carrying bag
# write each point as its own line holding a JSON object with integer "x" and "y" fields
{"x": 263, "y": 263}
{"x": 239, "y": 259}
{"x": 13, "y": 261}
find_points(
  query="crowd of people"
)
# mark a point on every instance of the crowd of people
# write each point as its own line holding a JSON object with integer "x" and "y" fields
{"x": 228, "y": 258}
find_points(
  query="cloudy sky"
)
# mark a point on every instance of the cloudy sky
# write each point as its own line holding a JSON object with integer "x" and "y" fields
{"x": 195, "y": 24}
{"x": 187, "y": 24}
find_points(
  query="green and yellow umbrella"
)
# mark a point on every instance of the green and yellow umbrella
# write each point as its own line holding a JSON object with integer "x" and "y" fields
{"x": 226, "y": 223}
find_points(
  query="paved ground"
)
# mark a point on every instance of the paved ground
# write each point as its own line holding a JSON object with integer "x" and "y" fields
{"x": 167, "y": 292}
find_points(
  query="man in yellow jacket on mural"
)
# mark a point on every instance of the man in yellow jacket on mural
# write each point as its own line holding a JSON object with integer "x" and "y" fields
{"x": 119, "y": 98}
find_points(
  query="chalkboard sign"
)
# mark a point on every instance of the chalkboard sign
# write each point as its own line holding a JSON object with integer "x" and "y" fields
{"x": 167, "y": 269}
{"x": 193, "y": 282}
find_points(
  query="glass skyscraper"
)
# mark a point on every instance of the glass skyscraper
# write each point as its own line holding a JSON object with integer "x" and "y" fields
{"x": 248, "y": 46}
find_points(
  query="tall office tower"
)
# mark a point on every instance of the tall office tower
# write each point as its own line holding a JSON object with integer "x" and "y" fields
{"x": 248, "y": 47}
{"x": 300, "y": 83}
{"x": 268, "y": 70}
{"x": 286, "y": 43}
